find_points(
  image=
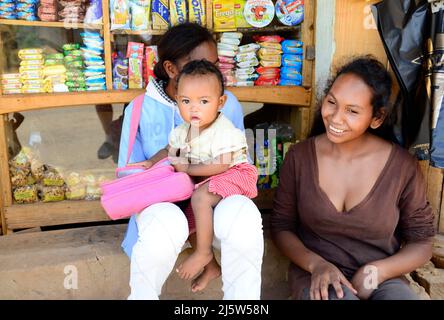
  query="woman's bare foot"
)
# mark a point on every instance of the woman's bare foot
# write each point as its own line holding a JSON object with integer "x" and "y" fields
{"x": 194, "y": 264}
{"x": 211, "y": 271}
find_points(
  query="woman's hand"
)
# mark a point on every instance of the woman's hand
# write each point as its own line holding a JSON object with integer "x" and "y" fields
{"x": 147, "y": 164}
{"x": 180, "y": 164}
{"x": 325, "y": 274}
{"x": 367, "y": 279}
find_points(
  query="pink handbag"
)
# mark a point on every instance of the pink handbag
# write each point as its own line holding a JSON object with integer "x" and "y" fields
{"x": 137, "y": 187}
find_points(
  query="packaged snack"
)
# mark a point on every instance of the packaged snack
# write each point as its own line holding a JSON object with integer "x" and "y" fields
{"x": 31, "y": 62}
{"x": 266, "y": 82}
{"x": 120, "y": 15}
{"x": 52, "y": 193}
{"x": 11, "y": 91}
{"x": 178, "y": 11}
{"x": 227, "y": 46}
{"x": 196, "y": 12}
{"x": 259, "y": 13}
{"x": 135, "y": 73}
{"x": 55, "y": 56}
{"x": 51, "y": 177}
{"x": 75, "y": 187}
{"x": 292, "y": 60}
{"x": 134, "y": 50}
{"x": 291, "y": 73}
{"x": 232, "y": 35}
{"x": 12, "y": 86}
{"x": 25, "y": 194}
{"x": 251, "y": 47}
{"x": 271, "y": 63}
{"x": 290, "y": 12}
{"x": 244, "y": 83}
{"x": 19, "y": 177}
{"x": 288, "y": 82}
{"x": 245, "y": 56}
{"x": 239, "y": 18}
{"x": 246, "y": 77}
{"x": 94, "y": 12}
{"x": 223, "y": 15}
{"x": 226, "y": 53}
{"x": 242, "y": 71}
{"x": 10, "y": 81}
{"x": 10, "y": 76}
{"x": 140, "y": 14}
{"x": 274, "y": 38}
{"x": 70, "y": 46}
{"x": 37, "y": 169}
{"x": 268, "y": 71}
{"x": 149, "y": 62}
{"x": 292, "y": 46}
{"x": 223, "y": 59}
{"x": 160, "y": 14}
{"x": 248, "y": 63}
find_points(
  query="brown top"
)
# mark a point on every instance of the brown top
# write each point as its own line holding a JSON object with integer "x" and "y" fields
{"x": 395, "y": 210}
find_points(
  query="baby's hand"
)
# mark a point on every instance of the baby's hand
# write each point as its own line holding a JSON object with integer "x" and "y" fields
{"x": 180, "y": 164}
{"x": 147, "y": 164}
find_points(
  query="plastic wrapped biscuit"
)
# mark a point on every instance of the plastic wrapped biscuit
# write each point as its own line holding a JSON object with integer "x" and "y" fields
{"x": 160, "y": 14}
{"x": 25, "y": 194}
{"x": 178, "y": 11}
{"x": 30, "y": 51}
{"x": 52, "y": 193}
{"x": 196, "y": 12}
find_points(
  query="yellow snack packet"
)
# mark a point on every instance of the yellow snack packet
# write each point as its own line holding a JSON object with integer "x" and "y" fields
{"x": 196, "y": 12}
{"x": 178, "y": 12}
{"x": 223, "y": 15}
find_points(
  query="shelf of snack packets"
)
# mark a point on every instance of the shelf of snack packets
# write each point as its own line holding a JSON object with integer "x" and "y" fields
{"x": 259, "y": 44}
{"x": 262, "y": 57}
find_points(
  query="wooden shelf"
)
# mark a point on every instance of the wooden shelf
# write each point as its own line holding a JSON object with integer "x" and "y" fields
{"x": 51, "y": 24}
{"x": 139, "y": 32}
{"x": 38, "y": 214}
{"x": 285, "y": 95}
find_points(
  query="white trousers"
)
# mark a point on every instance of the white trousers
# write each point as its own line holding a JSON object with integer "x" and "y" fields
{"x": 163, "y": 231}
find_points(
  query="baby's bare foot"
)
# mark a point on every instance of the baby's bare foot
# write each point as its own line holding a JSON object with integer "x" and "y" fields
{"x": 211, "y": 271}
{"x": 194, "y": 264}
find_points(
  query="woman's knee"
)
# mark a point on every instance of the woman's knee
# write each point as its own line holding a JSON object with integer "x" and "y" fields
{"x": 237, "y": 217}
{"x": 162, "y": 220}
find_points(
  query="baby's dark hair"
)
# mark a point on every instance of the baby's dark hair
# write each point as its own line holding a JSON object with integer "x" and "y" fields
{"x": 177, "y": 43}
{"x": 377, "y": 78}
{"x": 202, "y": 67}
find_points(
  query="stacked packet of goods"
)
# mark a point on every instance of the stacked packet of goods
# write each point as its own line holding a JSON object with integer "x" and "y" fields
{"x": 150, "y": 59}
{"x": 246, "y": 61}
{"x": 75, "y": 78}
{"x": 227, "y": 49}
{"x": 270, "y": 60}
{"x": 95, "y": 65}
{"x": 31, "y": 70}
{"x": 134, "y": 53}
{"x": 291, "y": 71}
{"x": 7, "y": 9}
{"x": 54, "y": 73}
{"x": 26, "y": 10}
{"x": 47, "y": 11}
{"x": 72, "y": 11}
{"x": 11, "y": 83}
{"x": 120, "y": 71}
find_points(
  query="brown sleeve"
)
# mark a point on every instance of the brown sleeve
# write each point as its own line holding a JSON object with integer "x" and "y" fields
{"x": 417, "y": 221}
{"x": 284, "y": 215}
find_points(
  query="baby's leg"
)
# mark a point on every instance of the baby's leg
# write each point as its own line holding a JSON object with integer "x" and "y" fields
{"x": 202, "y": 202}
{"x": 211, "y": 270}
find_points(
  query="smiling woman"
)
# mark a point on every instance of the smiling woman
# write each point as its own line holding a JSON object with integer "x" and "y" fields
{"x": 350, "y": 200}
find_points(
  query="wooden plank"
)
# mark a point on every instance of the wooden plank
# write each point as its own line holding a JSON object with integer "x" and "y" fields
{"x": 66, "y": 212}
{"x": 107, "y": 45}
{"x": 55, "y": 24}
{"x": 56, "y": 213}
{"x": 5, "y": 183}
{"x": 139, "y": 32}
{"x": 424, "y": 165}
{"x": 438, "y": 251}
{"x": 434, "y": 190}
{"x": 297, "y": 96}
{"x": 441, "y": 216}
{"x": 355, "y": 31}
{"x": 308, "y": 39}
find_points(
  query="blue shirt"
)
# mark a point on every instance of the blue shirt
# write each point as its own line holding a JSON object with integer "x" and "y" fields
{"x": 158, "y": 117}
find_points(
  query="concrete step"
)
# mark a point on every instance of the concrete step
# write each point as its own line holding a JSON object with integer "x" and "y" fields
{"x": 45, "y": 265}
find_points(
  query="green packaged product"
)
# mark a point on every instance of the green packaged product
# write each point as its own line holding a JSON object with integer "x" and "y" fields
{"x": 74, "y": 73}
{"x": 74, "y": 64}
{"x": 70, "y": 46}
{"x": 69, "y": 59}
{"x": 55, "y": 56}
{"x": 77, "y": 84}
{"x": 52, "y": 193}
{"x": 25, "y": 194}
{"x": 53, "y": 62}
{"x": 77, "y": 89}
{"x": 76, "y": 53}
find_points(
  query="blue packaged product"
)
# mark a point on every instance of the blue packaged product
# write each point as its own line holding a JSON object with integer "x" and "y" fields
{"x": 290, "y": 73}
{"x": 7, "y": 6}
{"x": 160, "y": 14}
{"x": 288, "y": 82}
{"x": 8, "y": 1}
{"x": 292, "y": 46}
{"x": 290, "y": 12}
{"x": 6, "y": 10}
{"x": 8, "y": 15}
{"x": 29, "y": 16}
{"x": 25, "y": 7}
{"x": 292, "y": 60}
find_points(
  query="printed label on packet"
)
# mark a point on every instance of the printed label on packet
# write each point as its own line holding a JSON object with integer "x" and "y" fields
{"x": 196, "y": 12}
{"x": 160, "y": 14}
{"x": 239, "y": 14}
{"x": 178, "y": 12}
{"x": 223, "y": 15}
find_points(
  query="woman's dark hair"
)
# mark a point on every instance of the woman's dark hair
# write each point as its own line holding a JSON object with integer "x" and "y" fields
{"x": 202, "y": 67}
{"x": 177, "y": 43}
{"x": 375, "y": 75}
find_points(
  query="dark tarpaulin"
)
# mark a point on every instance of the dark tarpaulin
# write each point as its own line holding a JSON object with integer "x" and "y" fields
{"x": 412, "y": 38}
